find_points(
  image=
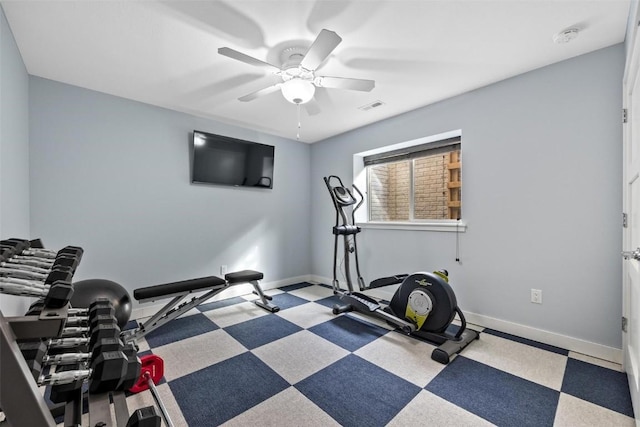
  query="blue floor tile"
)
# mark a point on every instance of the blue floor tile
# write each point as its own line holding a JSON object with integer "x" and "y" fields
{"x": 499, "y": 397}
{"x": 131, "y": 324}
{"x": 348, "y": 332}
{"x": 263, "y": 330}
{"x": 285, "y": 301}
{"x": 226, "y": 389}
{"x": 179, "y": 329}
{"x": 329, "y": 301}
{"x": 526, "y": 341}
{"x": 220, "y": 304}
{"x": 595, "y": 384}
{"x": 358, "y": 393}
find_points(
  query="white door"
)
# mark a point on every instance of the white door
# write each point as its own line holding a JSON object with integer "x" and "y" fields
{"x": 631, "y": 236}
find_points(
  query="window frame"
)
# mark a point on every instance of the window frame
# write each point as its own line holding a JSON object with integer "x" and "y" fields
{"x": 360, "y": 178}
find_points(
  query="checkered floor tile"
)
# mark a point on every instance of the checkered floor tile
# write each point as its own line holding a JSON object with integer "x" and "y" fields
{"x": 231, "y": 363}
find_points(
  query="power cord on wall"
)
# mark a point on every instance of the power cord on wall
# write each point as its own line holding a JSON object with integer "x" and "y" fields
{"x": 458, "y": 241}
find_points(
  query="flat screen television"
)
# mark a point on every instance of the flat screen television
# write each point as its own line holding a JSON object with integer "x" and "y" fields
{"x": 223, "y": 160}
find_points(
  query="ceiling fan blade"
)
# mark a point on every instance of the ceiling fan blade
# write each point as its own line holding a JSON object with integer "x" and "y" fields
{"x": 345, "y": 83}
{"x": 239, "y": 56}
{"x": 253, "y": 95}
{"x": 312, "y": 107}
{"x": 320, "y": 49}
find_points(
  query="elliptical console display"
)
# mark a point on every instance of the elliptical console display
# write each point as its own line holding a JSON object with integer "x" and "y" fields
{"x": 424, "y": 304}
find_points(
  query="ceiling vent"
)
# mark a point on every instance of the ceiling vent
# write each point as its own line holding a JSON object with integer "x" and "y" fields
{"x": 374, "y": 104}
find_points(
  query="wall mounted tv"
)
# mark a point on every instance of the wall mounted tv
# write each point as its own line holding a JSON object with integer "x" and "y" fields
{"x": 223, "y": 160}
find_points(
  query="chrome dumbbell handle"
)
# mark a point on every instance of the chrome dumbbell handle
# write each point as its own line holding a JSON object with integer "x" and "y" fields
{"x": 40, "y": 253}
{"x": 66, "y": 358}
{"x": 25, "y": 282}
{"x": 68, "y": 342}
{"x": 35, "y": 262}
{"x": 21, "y": 290}
{"x": 26, "y": 267}
{"x": 64, "y": 377}
{"x": 25, "y": 274}
{"x": 73, "y": 331}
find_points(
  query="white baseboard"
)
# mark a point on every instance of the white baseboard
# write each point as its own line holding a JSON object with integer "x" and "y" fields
{"x": 547, "y": 337}
{"x": 327, "y": 281}
{"x": 286, "y": 282}
{"x": 147, "y": 310}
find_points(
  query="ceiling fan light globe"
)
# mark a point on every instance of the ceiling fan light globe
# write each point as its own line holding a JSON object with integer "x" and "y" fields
{"x": 298, "y": 91}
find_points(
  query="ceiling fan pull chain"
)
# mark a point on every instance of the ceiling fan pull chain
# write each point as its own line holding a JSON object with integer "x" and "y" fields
{"x": 298, "y": 134}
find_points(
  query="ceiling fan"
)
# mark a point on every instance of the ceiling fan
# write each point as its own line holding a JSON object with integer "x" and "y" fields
{"x": 299, "y": 80}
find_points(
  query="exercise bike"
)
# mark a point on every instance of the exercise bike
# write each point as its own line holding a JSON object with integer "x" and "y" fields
{"x": 424, "y": 305}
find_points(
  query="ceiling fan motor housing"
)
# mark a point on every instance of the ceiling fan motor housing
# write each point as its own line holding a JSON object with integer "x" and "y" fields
{"x": 298, "y": 68}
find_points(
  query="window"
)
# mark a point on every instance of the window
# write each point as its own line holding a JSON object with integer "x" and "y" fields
{"x": 418, "y": 183}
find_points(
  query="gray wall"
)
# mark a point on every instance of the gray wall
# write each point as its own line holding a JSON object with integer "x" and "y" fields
{"x": 112, "y": 175}
{"x": 14, "y": 150}
{"x": 542, "y": 193}
{"x": 542, "y": 197}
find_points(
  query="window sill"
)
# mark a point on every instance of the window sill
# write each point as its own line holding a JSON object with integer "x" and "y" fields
{"x": 450, "y": 226}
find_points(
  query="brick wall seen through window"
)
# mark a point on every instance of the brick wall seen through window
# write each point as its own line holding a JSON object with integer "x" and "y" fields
{"x": 422, "y": 188}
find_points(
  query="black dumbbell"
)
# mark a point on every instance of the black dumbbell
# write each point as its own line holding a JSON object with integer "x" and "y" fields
{"x": 56, "y": 289}
{"x": 7, "y": 263}
{"x": 39, "y": 285}
{"x": 22, "y": 273}
{"x": 103, "y": 330}
{"x": 64, "y": 377}
{"x": 40, "y": 355}
{"x": 34, "y": 353}
{"x": 103, "y": 345}
{"x": 70, "y": 252}
{"x": 108, "y": 371}
{"x": 105, "y": 374}
{"x": 64, "y": 392}
{"x": 59, "y": 294}
{"x": 16, "y": 245}
{"x": 35, "y": 248}
{"x": 134, "y": 367}
{"x": 100, "y": 306}
{"x": 30, "y": 263}
{"x": 93, "y": 319}
{"x": 39, "y": 265}
{"x": 145, "y": 417}
{"x": 37, "y": 349}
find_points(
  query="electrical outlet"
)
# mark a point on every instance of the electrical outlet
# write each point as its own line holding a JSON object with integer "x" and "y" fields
{"x": 223, "y": 269}
{"x": 536, "y": 296}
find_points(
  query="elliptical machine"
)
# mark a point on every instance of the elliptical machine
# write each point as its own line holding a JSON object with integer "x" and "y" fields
{"x": 424, "y": 305}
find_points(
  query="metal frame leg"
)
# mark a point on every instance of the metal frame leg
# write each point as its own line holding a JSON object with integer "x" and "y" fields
{"x": 263, "y": 302}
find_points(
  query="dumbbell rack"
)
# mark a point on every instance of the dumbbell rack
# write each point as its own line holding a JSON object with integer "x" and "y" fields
{"x": 22, "y": 401}
{"x": 18, "y": 390}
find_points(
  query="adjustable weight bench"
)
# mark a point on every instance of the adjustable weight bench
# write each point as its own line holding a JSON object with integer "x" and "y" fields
{"x": 178, "y": 291}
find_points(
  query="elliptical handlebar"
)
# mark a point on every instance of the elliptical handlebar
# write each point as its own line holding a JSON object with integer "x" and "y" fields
{"x": 353, "y": 212}
{"x": 327, "y": 179}
{"x": 342, "y": 196}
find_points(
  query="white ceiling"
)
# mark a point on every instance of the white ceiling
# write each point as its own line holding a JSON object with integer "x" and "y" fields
{"x": 418, "y": 52}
